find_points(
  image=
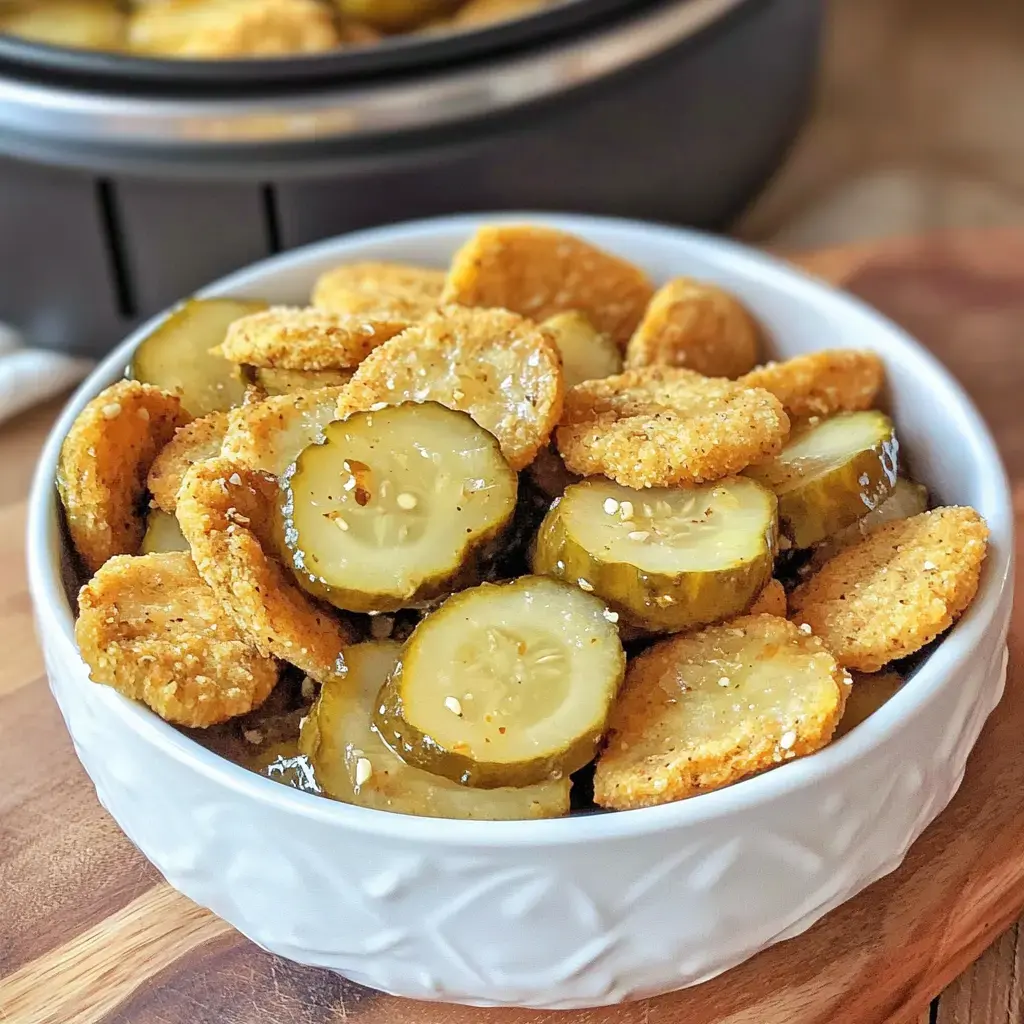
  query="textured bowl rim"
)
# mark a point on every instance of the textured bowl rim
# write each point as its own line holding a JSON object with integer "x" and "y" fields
{"x": 53, "y": 610}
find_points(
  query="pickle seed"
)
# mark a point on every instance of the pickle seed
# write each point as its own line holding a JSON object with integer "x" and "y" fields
{"x": 453, "y": 705}
{"x": 363, "y": 771}
{"x": 407, "y": 501}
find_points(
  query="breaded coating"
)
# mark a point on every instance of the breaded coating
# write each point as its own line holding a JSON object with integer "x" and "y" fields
{"x": 662, "y": 426}
{"x": 268, "y": 435}
{"x": 204, "y": 29}
{"x": 896, "y": 590}
{"x": 153, "y": 630}
{"x": 771, "y": 600}
{"x": 501, "y": 369}
{"x": 104, "y": 461}
{"x": 383, "y": 290}
{"x": 698, "y": 326}
{"x": 822, "y": 383}
{"x": 273, "y": 381}
{"x": 290, "y": 338}
{"x": 198, "y": 440}
{"x": 538, "y": 272}
{"x": 225, "y": 513}
{"x": 702, "y": 711}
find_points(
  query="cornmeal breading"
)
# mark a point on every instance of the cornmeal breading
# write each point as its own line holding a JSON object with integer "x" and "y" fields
{"x": 198, "y": 440}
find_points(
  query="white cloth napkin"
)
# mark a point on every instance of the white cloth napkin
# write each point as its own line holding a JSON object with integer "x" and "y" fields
{"x": 29, "y": 376}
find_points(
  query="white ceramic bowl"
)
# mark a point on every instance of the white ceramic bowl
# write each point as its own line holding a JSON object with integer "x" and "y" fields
{"x": 577, "y": 911}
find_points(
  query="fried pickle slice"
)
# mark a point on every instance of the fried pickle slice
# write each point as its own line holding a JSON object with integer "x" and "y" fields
{"x": 225, "y": 511}
{"x": 500, "y": 368}
{"x": 663, "y": 426}
{"x": 698, "y": 326}
{"x": 153, "y": 630}
{"x": 899, "y": 588}
{"x": 538, "y": 272}
{"x": 383, "y": 290}
{"x": 289, "y": 338}
{"x": 103, "y": 464}
{"x": 822, "y": 383}
{"x": 198, "y": 440}
{"x": 273, "y": 381}
{"x": 268, "y": 435}
{"x": 705, "y": 710}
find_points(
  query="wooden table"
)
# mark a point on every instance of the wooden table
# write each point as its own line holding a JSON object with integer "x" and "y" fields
{"x": 89, "y": 933}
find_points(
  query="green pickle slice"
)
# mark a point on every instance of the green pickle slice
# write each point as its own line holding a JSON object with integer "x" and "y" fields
{"x": 832, "y": 473}
{"x": 177, "y": 357}
{"x": 586, "y": 353}
{"x": 504, "y": 685}
{"x": 396, "y": 507}
{"x": 162, "y": 534}
{"x": 665, "y": 559}
{"x": 352, "y": 763}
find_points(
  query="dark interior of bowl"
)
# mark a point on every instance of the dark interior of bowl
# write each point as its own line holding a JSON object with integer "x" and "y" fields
{"x": 95, "y": 69}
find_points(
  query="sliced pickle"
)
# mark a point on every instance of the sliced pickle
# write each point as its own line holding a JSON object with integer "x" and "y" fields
{"x": 504, "y": 685}
{"x": 275, "y": 381}
{"x": 665, "y": 559}
{"x": 587, "y": 354}
{"x": 867, "y": 694}
{"x": 162, "y": 534}
{"x": 396, "y": 507}
{"x": 907, "y": 499}
{"x": 352, "y": 764}
{"x": 177, "y": 357}
{"x": 831, "y": 474}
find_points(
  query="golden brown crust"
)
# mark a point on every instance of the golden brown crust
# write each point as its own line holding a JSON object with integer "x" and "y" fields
{"x": 225, "y": 513}
{"x": 698, "y": 326}
{"x": 289, "y": 338}
{"x": 268, "y": 434}
{"x": 771, "y": 600}
{"x": 896, "y": 590}
{"x": 680, "y": 727}
{"x": 500, "y": 368}
{"x": 662, "y": 426}
{"x": 485, "y": 12}
{"x": 152, "y": 629}
{"x": 232, "y": 28}
{"x": 198, "y": 440}
{"x": 822, "y": 383}
{"x": 538, "y": 272}
{"x": 103, "y": 464}
{"x": 385, "y": 290}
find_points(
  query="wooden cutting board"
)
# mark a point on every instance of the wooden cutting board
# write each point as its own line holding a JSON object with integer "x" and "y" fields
{"x": 89, "y": 933}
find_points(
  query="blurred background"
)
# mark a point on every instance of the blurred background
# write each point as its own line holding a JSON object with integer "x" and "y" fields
{"x": 162, "y": 143}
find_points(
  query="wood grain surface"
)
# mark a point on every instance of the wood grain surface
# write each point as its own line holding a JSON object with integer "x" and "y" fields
{"x": 89, "y": 934}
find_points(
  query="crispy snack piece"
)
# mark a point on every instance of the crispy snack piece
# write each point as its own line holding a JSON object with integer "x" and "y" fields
{"x": 394, "y": 15}
{"x": 380, "y": 289}
{"x": 204, "y": 29}
{"x": 822, "y": 383}
{"x": 152, "y": 629}
{"x": 771, "y": 600}
{"x": 539, "y": 272}
{"x": 499, "y": 367}
{"x": 662, "y": 426}
{"x": 289, "y": 338}
{"x": 101, "y": 473}
{"x": 897, "y": 589}
{"x": 198, "y": 440}
{"x": 268, "y": 435}
{"x": 225, "y": 510}
{"x": 702, "y": 711}
{"x": 696, "y": 325}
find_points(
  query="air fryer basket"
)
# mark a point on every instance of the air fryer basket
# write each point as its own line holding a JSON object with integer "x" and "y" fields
{"x": 687, "y": 135}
